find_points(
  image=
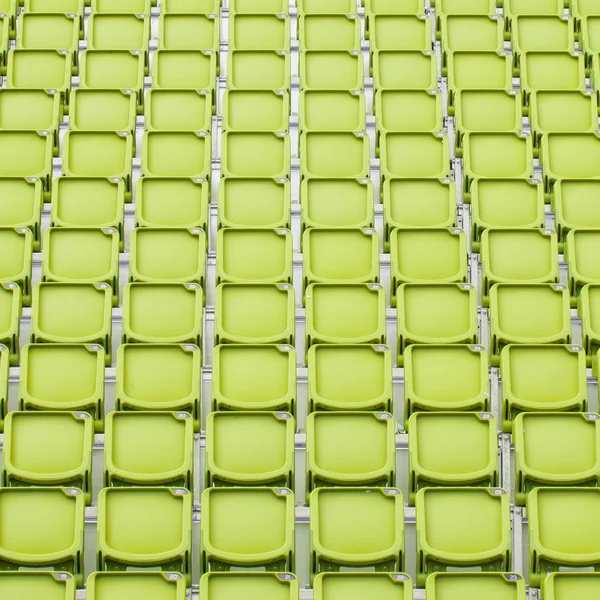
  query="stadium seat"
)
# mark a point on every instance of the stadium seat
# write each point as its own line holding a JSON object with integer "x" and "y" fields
{"x": 504, "y": 586}
{"x": 329, "y": 32}
{"x": 336, "y": 586}
{"x": 268, "y": 586}
{"x": 349, "y": 377}
{"x": 589, "y": 27}
{"x": 9, "y": 8}
{"x": 563, "y": 530}
{"x": 29, "y": 585}
{"x": 400, "y": 32}
{"x": 408, "y": 70}
{"x": 335, "y": 154}
{"x": 160, "y": 255}
{"x": 561, "y": 586}
{"x": 254, "y": 256}
{"x": 390, "y": 7}
{"x": 249, "y": 448}
{"x": 427, "y": 255}
{"x": 415, "y": 155}
{"x": 54, "y": 6}
{"x": 446, "y": 539}
{"x": 191, "y": 6}
{"x": 505, "y": 203}
{"x": 553, "y": 449}
{"x": 184, "y": 69}
{"x": 63, "y": 377}
{"x": 583, "y": 8}
{"x": 258, "y": 70}
{"x": 189, "y": 32}
{"x": 27, "y": 154}
{"x": 260, "y": 313}
{"x": 340, "y": 256}
{"x": 588, "y": 309}
{"x": 436, "y": 313}
{"x": 178, "y": 110}
{"x": 148, "y": 448}
{"x": 515, "y": 8}
{"x": 21, "y": 202}
{"x": 542, "y": 378}
{"x": 135, "y": 586}
{"x": 66, "y": 460}
{"x": 464, "y": 7}
{"x": 247, "y": 527}
{"x": 82, "y": 255}
{"x": 552, "y": 71}
{"x": 352, "y": 528}
{"x": 350, "y": 449}
{"x": 259, "y": 32}
{"x": 56, "y": 515}
{"x": 163, "y": 313}
{"x": 176, "y": 154}
{"x": 256, "y": 110}
{"x": 113, "y": 31}
{"x": 254, "y": 202}
{"x": 10, "y": 315}
{"x": 575, "y": 205}
{"x": 348, "y": 313}
{"x": 472, "y": 33}
{"x": 159, "y": 377}
{"x": 255, "y": 154}
{"x": 452, "y": 448}
{"x": 461, "y": 381}
{"x": 16, "y": 248}
{"x": 311, "y": 7}
{"x": 121, "y": 6}
{"x": 254, "y": 377}
{"x": 331, "y": 70}
{"x": 145, "y": 527}
{"x": 4, "y": 370}
{"x": 581, "y": 249}
{"x": 542, "y": 33}
{"x": 331, "y": 110}
{"x": 187, "y": 204}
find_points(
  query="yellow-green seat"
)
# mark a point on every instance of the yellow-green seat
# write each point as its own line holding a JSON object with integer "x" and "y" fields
{"x": 254, "y": 313}
{"x": 581, "y": 251}
{"x": 184, "y": 69}
{"x": 349, "y": 377}
{"x": 542, "y": 33}
{"x": 583, "y": 8}
{"x": 163, "y": 313}
{"x": 257, "y": 6}
{"x": 588, "y": 305}
{"x": 191, "y": 6}
{"x": 135, "y": 586}
{"x": 329, "y": 32}
{"x": 259, "y": 32}
{"x": 351, "y": 528}
{"x": 42, "y": 528}
{"x": 21, "y": 202}
{"x": 353, "y": 586}
{"x": 575, "y": 205}
{"x": 452, "y": 449}
{"x": 254, "y": 377}
{"x": 176, "y": 154}
{"x": 464, "y": 7}
{"x": 472, "y": 33}
{"x": 400, "y": 32}
{"x": 255, "y": 154}
{"x": 555, "y": 449}
{"x": 332, "y": 110}
{"x": 544, "y": 377}
{"x": 332, "y": 7}
{"x": 408, "y": 110}
{"x": 350, "y": 449}
{"x": 375, "y": 7}
{"x": 446, "y": 538}
{"x": 331, "y": 70}
{"x": 256, "y": 110}
{"x": 247, "y": 527}
{"x": 16, "y": 248}
{"x": 562, "y": 586}
{"x": 142, "y": 527}
{"x": 515, "y": 8}
{"x": 254, "y": 256}
{"x": 405, "y": 70}
{"x": 63, "y": 377}
{"x": 436, "y": 313}
{"x": 470, "y": 586}
{"x": 149, "y": 448}
{"x": 27, "y": 154}
{"x": 30, "y": 585}
{"x": 159, "y": 377}
{"x": 188, "y": 31}
{"x": 114, "y": 31}
{"x": 10, "y": 318}
{"x": 66, "y": 460}
{"x": 551, "y": 71}
{"x": 253, "y": 586}
{"x": 178, "y": 110}
{"x": 4, "y": 367}
{"x": 249, "y": 448}
{"x": 589, "y": 27}
{"x": 121, "y": 6}
{"x": 258, "y": 70}
{"x": 9, "y": 8}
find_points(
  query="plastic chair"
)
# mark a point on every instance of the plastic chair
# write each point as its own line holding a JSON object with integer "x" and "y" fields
{"x": 255, "y": 154}
{"x": 580, "y": 252}
{"x": 400, "y": 32}
{"x": 542, "y": 33}
{"x": 504, "y": 586}
{"x": 21, "y": 200}
{"x": 27, "y": 154}
{"x": 258, "y": 6}
{"x": 405, "y": 69}
{"x": 408, "y": 110}
{"x": 311, "y": 7}
{"x": 184, "y": 69}
{"x": 178, "y": 110}
{"x": 120, "y": 6}
{"x": 10, "y": 318}
{"x": 189, "y": 31}
{"x": 331, "y": 70}
{"x": 191, "y": 6}
{"x": 329, "y": 32}
{"x": 514, "y": 8}
{"x": 332, "y": 110}
{"x": 16, "y": 248}
{"x": 135, "y": 586}
{"x": 9, "y": 8}
{"x": 472, "y": 33}
{"x": 102, "y": 110}
{"x": 375, "y": 7}
{"x": 4, "y": 370}
{"x": 575, "y": 205}
{"x": 588, "y": 34}
{"x": 29, "y": 585}
{"x": 256, "y": 110}
{"x": 335, "y": 586}
{"x": 559, "y": 586}
{"x": 270, "y": 586}
{"x": 258, "y": 70}
{"x": 552, "y": 71}
{"x": 259, "y": 32}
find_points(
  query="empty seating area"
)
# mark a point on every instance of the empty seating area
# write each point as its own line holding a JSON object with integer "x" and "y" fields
{"x": 299, "y": 299}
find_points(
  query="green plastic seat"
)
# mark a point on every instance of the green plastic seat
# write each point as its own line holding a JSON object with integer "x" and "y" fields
{"x": 258, "y": 7}
{"x": 436, "y": 313}
{"x": 583, "y": 8}
{"x": 247, "y": 527}
{"x": 143, "y": 527}
{"x": 29, "y": 585}
{"x": 390, "y": 7}
{"x": 470, "y": 586}
{"x": 461, "y": 382}
{"x": 254, "y": 202}
{"x": 400, "y": 32}
{"x": 176, "y": 154}
{"x": 63, "y": 377}
{"x": 148, "y": 448}
{"x": 563, "y": 530}
{"x": 67, "y": 439}
{"x": 256, "y": 110}
{"x": 415, "y": 155}
{"x": 405, "y": 70}
{"x": 76, "y": 313}
{"x": 450, "y": 449}
{"x": 253, "y": 586}
{"x": 10, "y": 318}
{"x": 427, "y": 255}
{"x": 57, "y": 517}
{"x": 329, "y": 32}
{"x": 255, "y": 154}
{"x": 188, "y": 32}
{"x": 249, "y": 448}
{"x": 472, "y": 33}
{"x": 515, "y": 8}
{"x": 356, "y": 527}
{"x": 335, "y": 154}
{"x": 54, "y": 6}
{"x": 259, "y": 32}
{"x": 27, "y": 154}
{"x": 114, "y": 31}
{"x": 159, "y": 377}
{"x": 333, "y": 203}
{"x": 589, "y": 303}
{"x": 258, "y": 70}
{"x": 9, "y": 8}
{"x": 350, "y": 449}
{"x": 82, "y": 255}
{"x": 21, "y": 202}
{"x": 505, "y": 204}
{"x": 311, "y": 7}
{"x": 540, "y": 377}
{"x": 184, "y": 69}
{"x": 332, "y": 70}
{"x": 464, "y": 7}
{"x": 348, "y": 313}
{"x": 349, "y": 377}
{"x": 552, "y": 71}
{"x": 171, "y": 202}
{"x": 575, "y": 205}
{"x": 190, "y": 6}
{"x": 339, "y": 586}
{"x": 555, "y": 449}
{"x": 581, "y": 249}
{"x": 446, "y": 541}
{"x": 561, "y": 586}
{"x": 135, "y": 586}
{"x": 163, "y": 313}
{"x": 408, "y": 110}
{"x": 254, "y": 377}
{"x": 178, "y": 110}
{"x": 542, "y": 33}
{"x": 4, "y": 370}
{"x": 160, "y": 255}
{"x": 254, "y": 256}
{"x": 254, "y": 313}
{"x": 121, "y": 6}
{"x": 16, "y": 248}
{"x": 330, "y": 110}
{"x": 589, "y": 28}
